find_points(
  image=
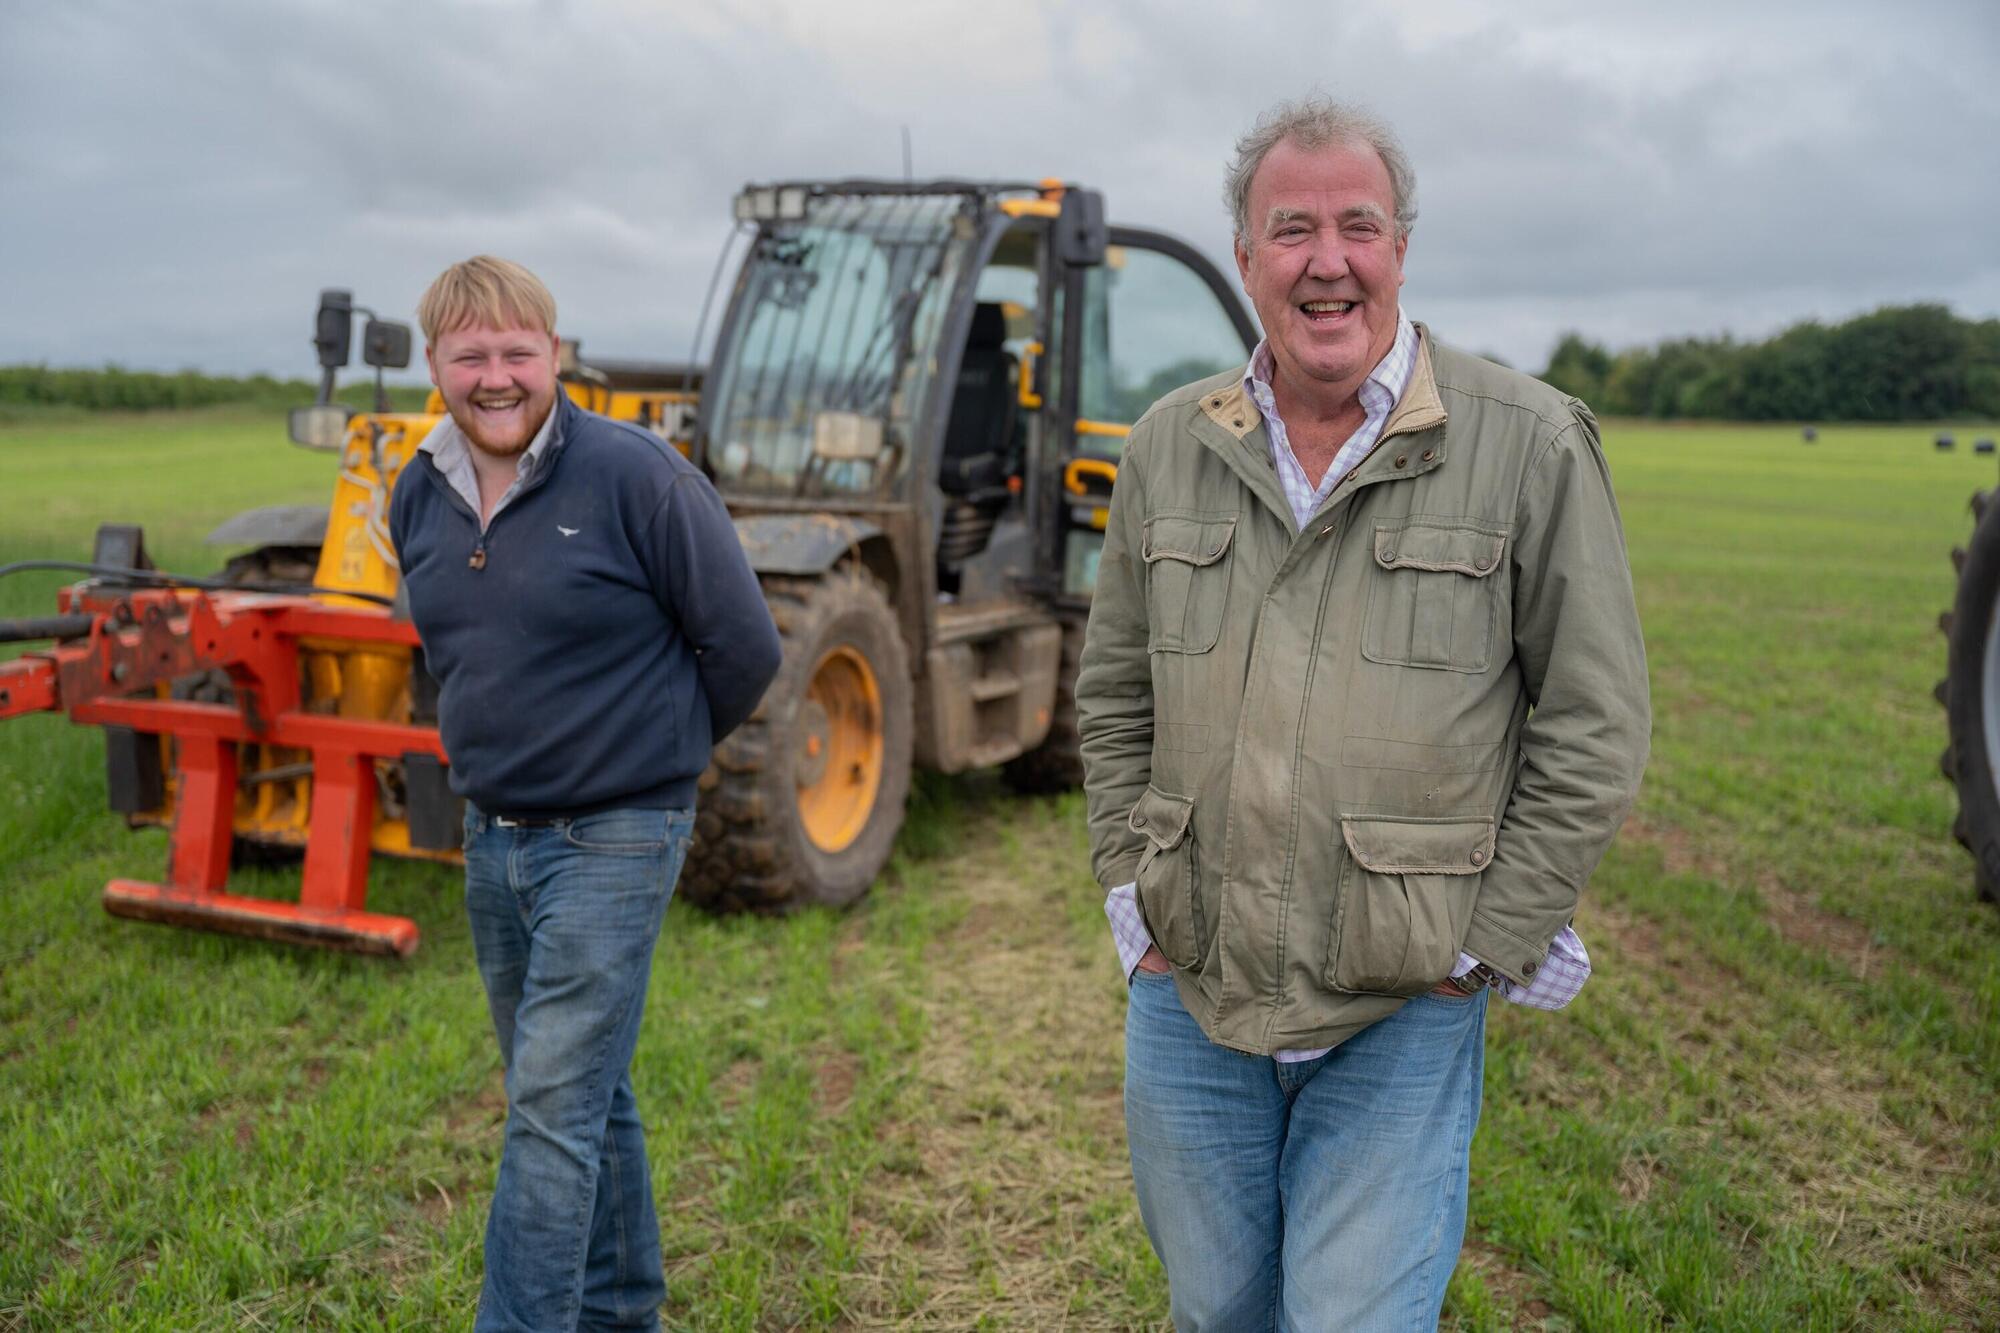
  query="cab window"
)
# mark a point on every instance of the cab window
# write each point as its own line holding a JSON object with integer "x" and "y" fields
{"x": 1150, "y": 325}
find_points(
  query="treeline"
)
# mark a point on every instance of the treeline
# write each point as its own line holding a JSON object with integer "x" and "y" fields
{"x": 115, "y": 389}
{"x": 1899, "y": 363}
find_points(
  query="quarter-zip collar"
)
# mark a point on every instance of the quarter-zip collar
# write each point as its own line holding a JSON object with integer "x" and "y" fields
{"x": 451, "y": 456}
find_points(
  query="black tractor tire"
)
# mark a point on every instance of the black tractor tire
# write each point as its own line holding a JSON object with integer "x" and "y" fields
{"x": 1057, "y": 763}
{"x": 753, "y": 850}
{"x": 1970, "y": 690}
{"x": 286, "y": 566}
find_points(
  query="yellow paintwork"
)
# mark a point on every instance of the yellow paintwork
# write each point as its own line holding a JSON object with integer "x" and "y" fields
{"x": 1079, "y": 471}
{"x": 356, "y": 555}
{"x": 1030, "y": 352}
{"x": 1030, "y": 208}
{"x": 844, "y": 755}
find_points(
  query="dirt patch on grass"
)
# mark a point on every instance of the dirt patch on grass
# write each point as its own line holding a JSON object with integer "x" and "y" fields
{"x": 1680, "y": 853}
{"x": 847, "y": 947}
{"x": 226, "y": 1115}
{"x": 1809, "y": 926}
{"x": 436, "y": 1204}
{"x": 482, "y": 1113}
{"x": 1511, "y": 1287}
{"x": 1645, "y": 950}
{"x": 1011, "y": 1191}
{"x": 1791, "y": 912}
{"x": 733, "y": 1084}
{"x": 834, "y": 1077}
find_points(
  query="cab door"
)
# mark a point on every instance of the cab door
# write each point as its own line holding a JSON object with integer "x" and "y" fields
{"x": 1154, "y": 315}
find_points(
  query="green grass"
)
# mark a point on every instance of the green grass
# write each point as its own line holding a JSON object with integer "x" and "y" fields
{"x": 1772, "y": 1107}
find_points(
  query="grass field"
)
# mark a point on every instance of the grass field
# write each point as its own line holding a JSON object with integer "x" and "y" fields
{"x": 1773, "y": 1107}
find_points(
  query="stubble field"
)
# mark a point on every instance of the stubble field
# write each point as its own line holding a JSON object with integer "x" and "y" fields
{"x": 1773, "y": 1106}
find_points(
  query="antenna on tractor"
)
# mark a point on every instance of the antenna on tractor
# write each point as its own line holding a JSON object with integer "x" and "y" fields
{"x": 907, "y": 177}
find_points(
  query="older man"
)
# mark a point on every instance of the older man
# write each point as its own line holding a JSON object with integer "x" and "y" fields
{"x": 594, "y": 628}
{"x": 1363, "y": 702}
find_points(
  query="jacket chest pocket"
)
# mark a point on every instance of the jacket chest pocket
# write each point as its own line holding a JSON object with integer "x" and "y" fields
{"x": 1405, "y": 901}
{"x": 1433, "y": 600}
{"x": 1187, "y": 581}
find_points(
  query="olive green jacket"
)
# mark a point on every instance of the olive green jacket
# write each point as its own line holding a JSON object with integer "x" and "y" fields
{"x": 1332, "y": 759}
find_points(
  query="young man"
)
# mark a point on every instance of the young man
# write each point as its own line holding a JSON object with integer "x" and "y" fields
{"x": 1363, "y": 701}
{"x": 594, "y": 629}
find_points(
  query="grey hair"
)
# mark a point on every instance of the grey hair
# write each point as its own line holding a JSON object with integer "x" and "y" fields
{"x": 1315, "y": 122}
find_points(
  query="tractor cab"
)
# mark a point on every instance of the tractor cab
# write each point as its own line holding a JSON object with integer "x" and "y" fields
{"x": 914, "y": 409}
{"x": 953, "y": 348}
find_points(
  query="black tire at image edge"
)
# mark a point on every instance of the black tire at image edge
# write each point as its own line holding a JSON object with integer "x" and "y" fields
{"x": 1966, "y": 761}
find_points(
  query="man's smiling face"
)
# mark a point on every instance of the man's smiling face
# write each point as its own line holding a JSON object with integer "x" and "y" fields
{"x": 498, "y": 384}
{"x": 1323, "y": 264}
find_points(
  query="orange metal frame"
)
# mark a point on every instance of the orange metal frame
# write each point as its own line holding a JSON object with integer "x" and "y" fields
{"x": 141, "y": 638}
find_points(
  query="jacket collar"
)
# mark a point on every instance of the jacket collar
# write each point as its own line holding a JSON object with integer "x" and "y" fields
{"x": 1419, "y": 408}
{"x": 1232, "y": 427}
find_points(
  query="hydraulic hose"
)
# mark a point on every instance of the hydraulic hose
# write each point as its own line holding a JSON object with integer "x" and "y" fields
{"x": 29, "y": 628}
{"x": 160, "y": 579}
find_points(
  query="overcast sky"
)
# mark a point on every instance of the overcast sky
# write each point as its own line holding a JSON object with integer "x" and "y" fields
{"x": 178, "y": 180}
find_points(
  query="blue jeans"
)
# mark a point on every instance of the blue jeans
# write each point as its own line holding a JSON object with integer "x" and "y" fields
{"x": 564, "y": 920}
{"x": 1328, "y": 1194}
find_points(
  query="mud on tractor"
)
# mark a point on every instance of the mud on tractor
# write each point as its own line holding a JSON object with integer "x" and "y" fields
{"x": 914, "y": 408}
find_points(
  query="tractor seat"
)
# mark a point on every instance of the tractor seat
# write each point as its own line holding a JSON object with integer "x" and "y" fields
{"x": 979, "y": 438}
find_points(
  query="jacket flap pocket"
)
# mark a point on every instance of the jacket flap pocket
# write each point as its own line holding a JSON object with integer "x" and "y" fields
{"x": 1392, "y": 845}
{"x": 1161, "y": 817}
{"x": 1195, "y": 541}
{"x": 1459, "y": 550}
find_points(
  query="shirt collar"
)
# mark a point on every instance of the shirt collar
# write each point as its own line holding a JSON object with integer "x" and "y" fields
{"x": 1391, "y": 374}
{"x": 449, "y": 448}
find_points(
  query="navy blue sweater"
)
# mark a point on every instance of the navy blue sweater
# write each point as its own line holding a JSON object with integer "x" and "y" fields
{"x": 614, "y": 633}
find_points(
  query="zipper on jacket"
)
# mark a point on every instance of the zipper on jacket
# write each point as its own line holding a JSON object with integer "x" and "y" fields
{"x": 456, "y": 501}
{"x": 478, "y": 558}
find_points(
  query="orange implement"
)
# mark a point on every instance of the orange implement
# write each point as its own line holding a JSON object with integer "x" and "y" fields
{"x": 140, "y": 639}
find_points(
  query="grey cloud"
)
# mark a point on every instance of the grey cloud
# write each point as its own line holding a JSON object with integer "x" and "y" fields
{"x": 184, "y": 178}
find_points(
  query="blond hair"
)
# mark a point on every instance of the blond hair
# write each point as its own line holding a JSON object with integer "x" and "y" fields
{"x": 488, "y": 293}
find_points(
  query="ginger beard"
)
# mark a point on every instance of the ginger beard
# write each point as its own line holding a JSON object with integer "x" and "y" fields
{"x": 498, "y": 384}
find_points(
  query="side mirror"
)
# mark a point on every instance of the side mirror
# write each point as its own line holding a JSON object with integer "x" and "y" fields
{"x": 333, "y": 330}
{"x": 321, "y": 426}
{"x": 385, "y": 342}
{"x": 1081, "y": 236}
